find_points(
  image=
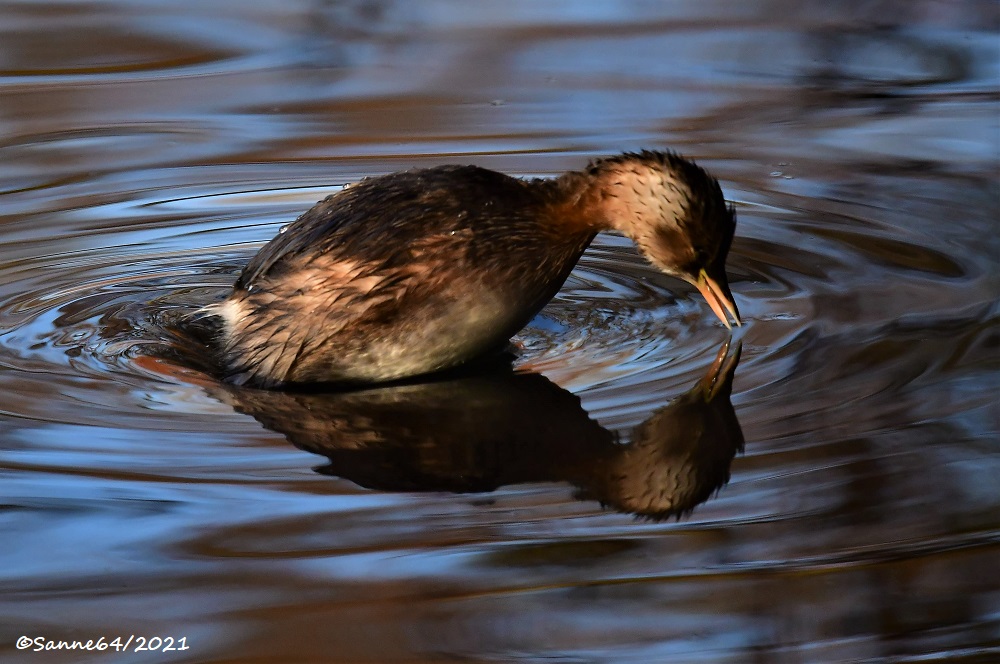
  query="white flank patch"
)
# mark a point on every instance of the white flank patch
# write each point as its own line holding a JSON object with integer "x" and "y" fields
{"x": 230, "y": 311}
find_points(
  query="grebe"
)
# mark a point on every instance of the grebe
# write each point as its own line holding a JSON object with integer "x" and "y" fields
{"x": 423, "y": 270}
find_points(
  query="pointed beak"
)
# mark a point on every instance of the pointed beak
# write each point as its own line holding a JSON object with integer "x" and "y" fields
{"x": 716, "y": 292}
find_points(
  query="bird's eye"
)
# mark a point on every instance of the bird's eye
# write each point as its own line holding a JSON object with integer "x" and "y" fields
{"x": 701, "y": 256}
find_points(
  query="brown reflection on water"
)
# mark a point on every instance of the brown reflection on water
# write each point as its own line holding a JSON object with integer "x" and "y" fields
{"x": 484, "y": 431}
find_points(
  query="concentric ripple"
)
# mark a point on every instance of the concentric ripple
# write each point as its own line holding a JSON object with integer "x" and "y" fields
{"x": 83, "y": 325}
{"x": 97, "y": 320}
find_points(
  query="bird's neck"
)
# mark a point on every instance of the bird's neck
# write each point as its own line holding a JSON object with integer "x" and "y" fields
{"x": 633, "y": 199}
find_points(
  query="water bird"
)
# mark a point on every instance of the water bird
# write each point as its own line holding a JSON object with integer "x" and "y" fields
{"x": 424, "y": 270}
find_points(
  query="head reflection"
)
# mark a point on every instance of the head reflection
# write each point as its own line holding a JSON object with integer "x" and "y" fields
{"x": 475, "y": 433}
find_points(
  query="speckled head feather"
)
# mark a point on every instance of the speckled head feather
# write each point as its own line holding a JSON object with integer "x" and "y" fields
{"x": 696, "y": 224}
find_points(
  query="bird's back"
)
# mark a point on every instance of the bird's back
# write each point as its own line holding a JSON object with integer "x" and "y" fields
{"x": 387, "y": 220}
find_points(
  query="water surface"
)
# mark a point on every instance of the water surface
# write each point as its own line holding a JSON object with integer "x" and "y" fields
{"x": 604, "y": 501}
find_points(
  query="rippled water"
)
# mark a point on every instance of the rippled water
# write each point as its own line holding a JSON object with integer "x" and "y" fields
{"x": 842, "y": 505}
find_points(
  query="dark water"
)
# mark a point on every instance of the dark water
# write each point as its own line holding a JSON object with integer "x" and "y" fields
{"x": 147, "y": 149}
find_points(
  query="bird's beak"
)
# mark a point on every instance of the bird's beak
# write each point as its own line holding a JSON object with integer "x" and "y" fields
{"x": 716, "y": 292}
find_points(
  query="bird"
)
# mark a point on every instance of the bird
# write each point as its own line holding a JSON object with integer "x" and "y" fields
{"x": 424, "y": 270}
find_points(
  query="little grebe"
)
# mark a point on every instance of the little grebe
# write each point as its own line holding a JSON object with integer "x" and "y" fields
{"x": 423, "y": 270}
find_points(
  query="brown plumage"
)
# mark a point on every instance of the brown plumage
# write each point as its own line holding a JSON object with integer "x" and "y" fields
{"x": 423, "y": 270}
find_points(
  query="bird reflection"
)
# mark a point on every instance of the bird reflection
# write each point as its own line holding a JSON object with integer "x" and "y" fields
{"x": 475, "y": 433}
